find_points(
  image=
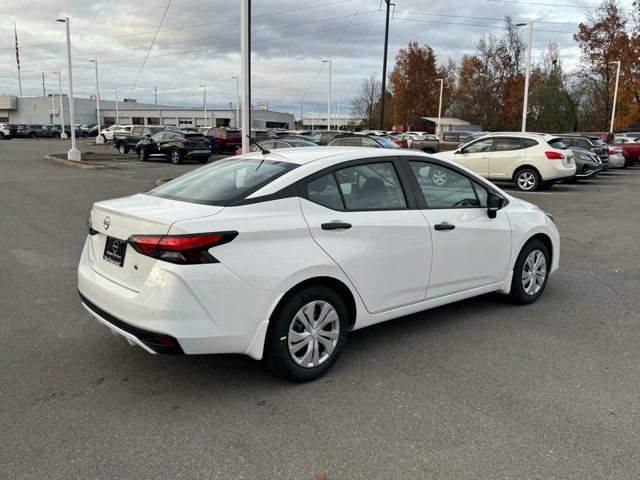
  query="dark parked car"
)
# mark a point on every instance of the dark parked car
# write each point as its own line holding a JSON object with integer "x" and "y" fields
{"x": 175, "y": 146}
{"x": 594, "y": 144}
{"x": 229, "y": 140}
{"x": 278, "y": 143}
{"x": 27, "y": 131}
{"x": 125, "y": 140}
{"x": 47, "y": 130}
{"x": 588, "y": 164}
{"x": 362, "y": 141}
{"x": 79, "y": 132}
{"x": 213, "y": 143}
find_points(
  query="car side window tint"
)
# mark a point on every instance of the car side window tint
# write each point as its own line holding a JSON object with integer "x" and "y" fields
{"x": 367, "y": 142}
{"x": 324, "y": 191}
{"x": 443, "y": 187}
{"x": 528, "y": 142}
{"x": 353, "y": 142}
{"x": 505, "y": 144}
{"x": 338, "y": 142}
{"x": 371, "y": 186}
{"x": 482, "y": 194}
{"x": 583, "y": 144}
{"x": 449, "y": 137}
{"x": 479, "y": 146}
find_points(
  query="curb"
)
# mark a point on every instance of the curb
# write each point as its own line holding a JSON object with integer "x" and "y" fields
{"x": 80, "y": 165}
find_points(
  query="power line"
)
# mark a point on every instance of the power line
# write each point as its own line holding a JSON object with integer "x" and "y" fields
{"x": 492, "y": 27}
{"x": 477, "y": 17}
{"x": 331, "y": 53}
{"x": 516, "y": 2}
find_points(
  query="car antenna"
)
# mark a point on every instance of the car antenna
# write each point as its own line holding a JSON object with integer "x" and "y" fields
{"x": 263, "y": 150}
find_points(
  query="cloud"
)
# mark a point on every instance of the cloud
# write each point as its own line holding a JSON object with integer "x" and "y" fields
{"x": 199, "y": 43}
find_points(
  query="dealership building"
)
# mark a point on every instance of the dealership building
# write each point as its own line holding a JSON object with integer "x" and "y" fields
{"x": 36, "y": 110}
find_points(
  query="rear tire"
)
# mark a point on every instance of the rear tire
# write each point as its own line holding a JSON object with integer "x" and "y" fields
{"x": 1, "y": 136}
{"x": 175, "y": 156}
{"x": 530, "y": 273}
{"x": 307, "y": 334}
{"x": 142, "y": 154}
{"x": 122, "y": 148}
{"x": 55, "y": 135}
{"x": 33, "y": 135}
{"x": 527, "y": 179}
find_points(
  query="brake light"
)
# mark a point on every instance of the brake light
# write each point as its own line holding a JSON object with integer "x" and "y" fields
{"x": 613, "y": 152}
{"x": 181, "y": 249}
{"x": 554, "y": 155}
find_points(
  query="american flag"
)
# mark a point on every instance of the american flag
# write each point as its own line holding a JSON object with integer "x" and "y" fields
{"x": 17, "y": 50}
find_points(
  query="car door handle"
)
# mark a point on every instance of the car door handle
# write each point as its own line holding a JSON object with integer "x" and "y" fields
{"x": 335, "y": 226}
{"x": 444, "y": 226}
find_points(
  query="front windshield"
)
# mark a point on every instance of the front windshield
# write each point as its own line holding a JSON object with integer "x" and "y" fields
{"x": 223, "y": 181}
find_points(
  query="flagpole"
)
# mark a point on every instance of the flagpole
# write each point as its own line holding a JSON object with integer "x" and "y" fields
{"x": 15, "y": 32}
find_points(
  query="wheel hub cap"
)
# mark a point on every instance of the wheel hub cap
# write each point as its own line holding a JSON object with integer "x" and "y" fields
{"x": 526, "y": 180}
{"x": 313, "y": 334}
{"x": 534, "y": 272}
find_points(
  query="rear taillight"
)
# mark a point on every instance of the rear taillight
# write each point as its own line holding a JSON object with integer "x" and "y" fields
{"x": 554, "y": 155}
{"x": 613, "y": 152}
{"x": 182, "y": 249}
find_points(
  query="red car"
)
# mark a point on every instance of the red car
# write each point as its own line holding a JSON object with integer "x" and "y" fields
{"x": 631, "y": 153}
{"x": 228, "y": 139}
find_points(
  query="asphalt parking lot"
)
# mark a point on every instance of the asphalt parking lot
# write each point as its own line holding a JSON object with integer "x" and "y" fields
{"x": 478, "y": 389}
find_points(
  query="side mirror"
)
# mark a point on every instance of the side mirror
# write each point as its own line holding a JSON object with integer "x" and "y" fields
{"x": 494, "y": 203}
{"x": 147, "y": 135}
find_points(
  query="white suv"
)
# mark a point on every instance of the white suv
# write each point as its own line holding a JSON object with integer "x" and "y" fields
{"x": 530, "y": 160}
{"x": 107, "y": 133}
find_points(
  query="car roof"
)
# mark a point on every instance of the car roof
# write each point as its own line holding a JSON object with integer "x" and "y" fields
{"x": 534, "y": 135}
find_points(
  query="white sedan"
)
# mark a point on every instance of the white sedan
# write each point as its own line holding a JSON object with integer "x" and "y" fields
{"x": 280, "y": 255}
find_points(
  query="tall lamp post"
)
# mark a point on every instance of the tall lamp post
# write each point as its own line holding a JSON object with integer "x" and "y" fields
{"x": 441, "y": 80}
{"x": 338, "y": 119}
{"x": 329, "y": 96}
{"x": 73, "y": 153}
{"x": 237, "y": 101}
{"x": 615, "y": 95}
{"x": 63, "y": 134}
{"x": 99, "y": 138}
{"x": 204, "y": 102}
{"x": 526, "y": 78}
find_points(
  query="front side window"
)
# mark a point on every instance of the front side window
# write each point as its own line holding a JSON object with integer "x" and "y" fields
{"x": 505, "y": 144}
{"x": 479, "y": 146}
{"x": 372, "y": 186}
{"x": 224, "y": 181}
{"x": 443, "y": 187}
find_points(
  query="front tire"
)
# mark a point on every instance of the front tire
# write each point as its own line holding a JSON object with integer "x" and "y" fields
{"x": 175, "y": 156}
{"x": 122, "y": 148}
{"x": 55, "y": 135}
{"x": 142, "y": 155}
{"x": 527, "y": 180}
{"x": 530, "y": 273}
{"x": 307, "y": 334}
{"x": 1, "y": 136}
{"x": 33, "y": 135}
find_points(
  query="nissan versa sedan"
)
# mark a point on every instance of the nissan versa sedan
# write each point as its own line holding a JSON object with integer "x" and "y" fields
{"x": 280, "y": 255}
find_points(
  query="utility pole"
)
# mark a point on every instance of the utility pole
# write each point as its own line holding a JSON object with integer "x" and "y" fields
{"x": 155, "y": 95}
{"x": 15, "y": 31}
{"x": 204, "y": 103}
{"x": 384, "y": 65}
{"x": 526, "y": 78}
{"x": 441, "y": 80}
{"x": 44, "y": 90}
{"x": 73, "y": 153}
{"x": 329, "y": 96}
{"x": 62, "y": 132}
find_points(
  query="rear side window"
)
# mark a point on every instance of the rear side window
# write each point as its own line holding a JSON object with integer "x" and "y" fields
{"x": 450, "y": 137}
{"x": 529, "y": 142}
{"x": 504, "y": 144}
{"x": 372, "y": 186}
{"x": 224, "y": 181}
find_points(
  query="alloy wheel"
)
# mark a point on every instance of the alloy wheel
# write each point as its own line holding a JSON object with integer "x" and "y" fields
{"x": 526, "y": 180}
{"x": 313, "y": 334}
{"x": 175, "y": 156}
{"x": 534, "y": 272}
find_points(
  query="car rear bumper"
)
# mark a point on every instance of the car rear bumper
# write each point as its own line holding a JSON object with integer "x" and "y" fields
{"x": 200, "y": 308}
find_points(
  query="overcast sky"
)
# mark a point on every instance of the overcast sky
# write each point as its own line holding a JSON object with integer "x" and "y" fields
{"x": 199, "y": 43}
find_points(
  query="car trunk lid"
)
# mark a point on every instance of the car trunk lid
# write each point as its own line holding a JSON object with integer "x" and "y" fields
{"x": 114, "y": 221}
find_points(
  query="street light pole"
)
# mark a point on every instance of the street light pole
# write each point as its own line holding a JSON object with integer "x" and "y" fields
{"x": 204, "y": 102}
{"x": 441, "y": 80}
{"x": 62, "y": 133}
{"x": 338, "y": 122}
{"x": 526, "y": 78}
{"x": 329, "y": 97}
{"x": 237, "y": 101}
{"x": 99, "y": 138}
{"x": 73, "y": 153}
{"x": 245, "y": 71}
{"x": 615, "y": 96}
{"x": 383, "y": 92}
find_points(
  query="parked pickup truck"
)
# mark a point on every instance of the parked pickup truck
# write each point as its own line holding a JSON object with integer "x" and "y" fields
{"x": 125, "y": 141}
{"x": 428, "y": 144}
{"x": 452, "y": 140}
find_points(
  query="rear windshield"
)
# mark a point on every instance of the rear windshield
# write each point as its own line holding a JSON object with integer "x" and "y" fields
{"x": 385, "y": 142}
{"x": 557, "y": 143}
{"x": 597, "y": 141}
{"x": 223, "y": 182}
